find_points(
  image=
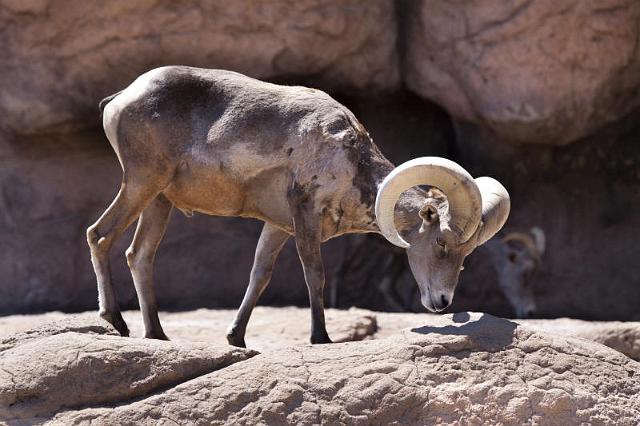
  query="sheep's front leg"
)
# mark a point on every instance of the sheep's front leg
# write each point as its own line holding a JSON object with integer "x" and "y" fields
{"x": 308, "y": 238}
{"x": 269, "y": 245}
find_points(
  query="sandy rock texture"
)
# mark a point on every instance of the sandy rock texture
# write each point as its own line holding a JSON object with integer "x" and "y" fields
{"x": 47, "y": 373}
{"x": 268, "y": 328}
{"x": 466, "y": 367}
{"x": 59, "y": 59}
{"x": 624, "y": 337}
{"x": 544, "y": 72}
{"x": 20, "y": 329}
{"x": 273, "y": 328}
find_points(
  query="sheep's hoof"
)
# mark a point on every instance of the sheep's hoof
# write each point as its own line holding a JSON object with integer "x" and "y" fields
{"x": 235, "y": 339}
{"x": 158, "y": 335}
{"x": 116, "y": 320}
{"x": 320, "y": 339}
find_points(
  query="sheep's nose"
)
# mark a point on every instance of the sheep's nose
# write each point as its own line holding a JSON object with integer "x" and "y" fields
{"x": 530, "y": 313}
{"x": 442, "y": 303}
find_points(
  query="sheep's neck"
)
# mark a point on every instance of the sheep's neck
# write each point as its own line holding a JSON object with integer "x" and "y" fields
{"x": 406, "y": 212}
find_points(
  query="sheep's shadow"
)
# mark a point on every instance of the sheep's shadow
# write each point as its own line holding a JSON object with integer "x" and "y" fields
{"x": 486, "y": 333}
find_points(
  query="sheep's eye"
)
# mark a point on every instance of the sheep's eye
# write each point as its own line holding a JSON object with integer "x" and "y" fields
{"x": 512, "y": 257}
{"x": 441, "y": 253}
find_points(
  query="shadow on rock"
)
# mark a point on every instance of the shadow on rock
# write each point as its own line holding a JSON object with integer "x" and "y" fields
{"x": 482, "y": 332}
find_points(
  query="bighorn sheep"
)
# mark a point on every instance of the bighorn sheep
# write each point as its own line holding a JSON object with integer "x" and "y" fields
{"x": 516, "y": 258}
{"x": 221, "y": 143}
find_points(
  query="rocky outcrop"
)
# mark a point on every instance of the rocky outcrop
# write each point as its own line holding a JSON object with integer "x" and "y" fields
{"x": 542, "y": 72}
{"x": 51, "y": 369}
{"x": 59, "y": 60}
{"x": 21, "y": 329}
{"x": 452, "y": 368}
{"x": 624, "y": 337}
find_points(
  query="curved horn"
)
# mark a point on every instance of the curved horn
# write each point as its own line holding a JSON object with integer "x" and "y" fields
{"x": 455, "y": 182}
{"x": 496, "y": 205}
{"x": 540, "y": 239}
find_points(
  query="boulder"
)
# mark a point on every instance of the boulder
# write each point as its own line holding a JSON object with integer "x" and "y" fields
{"x": 51, "y": 369}
{"x": 624, "y": 337}
{"x": 470, "y": 368}
{"x": 542, "y": 72}
{"x": 59, "y": 60}
{"x": 21, "y": 329}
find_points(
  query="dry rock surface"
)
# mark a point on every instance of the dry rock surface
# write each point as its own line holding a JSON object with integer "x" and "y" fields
{"x": 465, "y": 367}
{"x": 545, "y": 72}
{"x": 622, "y": 336}
{"x": 268, "y": 328}
{"x": 74, "y": 369}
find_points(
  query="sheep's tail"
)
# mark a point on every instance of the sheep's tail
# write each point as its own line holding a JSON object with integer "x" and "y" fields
{"x": 103, "y": 103}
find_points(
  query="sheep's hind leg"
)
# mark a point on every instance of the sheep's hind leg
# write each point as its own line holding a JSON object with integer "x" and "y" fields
{"x": 269, "y": 246}
{"x": 124, "y": 209}
{"x": 152, "y": 225}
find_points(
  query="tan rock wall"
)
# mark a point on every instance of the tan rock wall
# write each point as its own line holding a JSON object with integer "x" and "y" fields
{"x": 58, "y": 59}
{"x": 543, "y": 72}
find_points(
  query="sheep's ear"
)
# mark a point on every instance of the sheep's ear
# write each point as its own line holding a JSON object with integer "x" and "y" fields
{"x": 539, "y": 239}
{"x": 429, "y": 214}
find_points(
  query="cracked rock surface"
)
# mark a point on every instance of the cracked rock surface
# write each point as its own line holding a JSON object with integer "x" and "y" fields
{"x": 624, "y": 337}
{"x": 546, "y": 72}
{"x": 471, "y": 368}
{"x": 60, "y": 59}
{"x": 621, "y": 336}
{"x": 51, "y": 369}
{"x": 466, "y": 367}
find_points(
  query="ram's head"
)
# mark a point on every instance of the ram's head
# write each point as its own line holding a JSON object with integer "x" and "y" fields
{"x": 455, "y": 216}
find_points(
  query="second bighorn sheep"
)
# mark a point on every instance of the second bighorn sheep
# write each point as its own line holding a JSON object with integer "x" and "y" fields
{"x": 220, "y": 143}
{"x": 516, "y": 258}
